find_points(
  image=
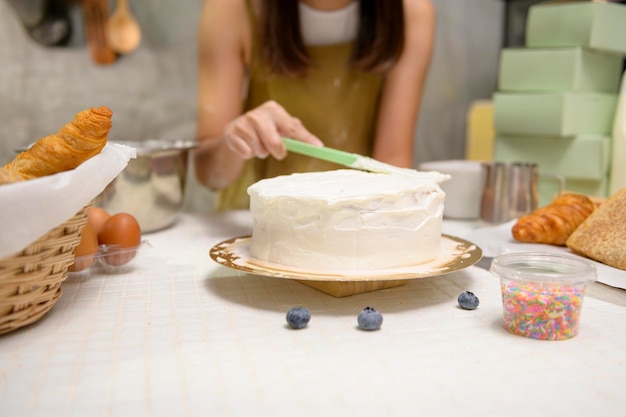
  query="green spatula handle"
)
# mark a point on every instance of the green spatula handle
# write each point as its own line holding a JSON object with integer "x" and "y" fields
{"x": 320, "y": 152}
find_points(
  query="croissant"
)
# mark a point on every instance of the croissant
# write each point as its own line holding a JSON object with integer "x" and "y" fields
{"x": 74, "y": 143}
{"x": 554, "y": 223}
{"x": 8, "y": 176}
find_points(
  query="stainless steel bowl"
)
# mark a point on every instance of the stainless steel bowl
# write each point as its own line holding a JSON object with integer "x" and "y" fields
{"x": 152, "y": 186}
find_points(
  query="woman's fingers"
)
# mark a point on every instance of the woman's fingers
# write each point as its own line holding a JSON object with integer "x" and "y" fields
{"x": 265, "y": 121}
{"x": 289, "y": 126}
{"x": 258, "y": 132}
{"x": 293, "y": 128}
{"x": 240, "y": 146}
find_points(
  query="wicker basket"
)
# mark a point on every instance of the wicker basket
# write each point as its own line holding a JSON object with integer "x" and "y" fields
{"x": 30, "y": 281}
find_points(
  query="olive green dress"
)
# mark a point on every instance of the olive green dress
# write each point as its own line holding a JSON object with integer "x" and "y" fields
{"x": 336, "y": 103}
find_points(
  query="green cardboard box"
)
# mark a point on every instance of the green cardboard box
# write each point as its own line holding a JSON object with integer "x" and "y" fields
{"x": 584, "y": 157}
{"x": 600, "y": 26}
{"x": 554, "y": 114}
{"x": 548, "y": 189}
{"x": 559, "y": 69}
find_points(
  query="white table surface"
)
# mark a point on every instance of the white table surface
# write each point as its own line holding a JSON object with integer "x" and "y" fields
{"x": 183, "y": 336}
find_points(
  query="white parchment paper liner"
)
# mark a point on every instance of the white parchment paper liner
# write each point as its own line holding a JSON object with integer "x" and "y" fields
{"x": 30, "y": 209}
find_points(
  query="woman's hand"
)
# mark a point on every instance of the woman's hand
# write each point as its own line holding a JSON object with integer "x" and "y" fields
{"x": 258, "y": 132}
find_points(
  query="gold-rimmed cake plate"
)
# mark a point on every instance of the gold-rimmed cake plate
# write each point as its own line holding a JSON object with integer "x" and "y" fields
{"x": 455, "y": 254}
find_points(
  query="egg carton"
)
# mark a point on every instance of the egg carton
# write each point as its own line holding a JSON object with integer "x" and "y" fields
{"x": 109, "y": 259}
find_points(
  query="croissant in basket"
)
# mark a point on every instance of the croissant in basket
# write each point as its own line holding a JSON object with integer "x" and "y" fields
{"x": 8, "y": 176}
{"x": 74, "y": 143}
{"x": 30, "y": 279}
{"x": 554, "y": 223}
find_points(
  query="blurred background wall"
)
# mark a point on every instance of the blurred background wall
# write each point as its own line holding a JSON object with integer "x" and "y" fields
{"x": 152, "y": 91}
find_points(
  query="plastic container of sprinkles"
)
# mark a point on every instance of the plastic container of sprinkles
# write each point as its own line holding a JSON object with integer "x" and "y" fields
{"x": 542, "y": 294}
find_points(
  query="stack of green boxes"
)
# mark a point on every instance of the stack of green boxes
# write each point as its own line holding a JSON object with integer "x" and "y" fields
{"x": 557, "y": 97}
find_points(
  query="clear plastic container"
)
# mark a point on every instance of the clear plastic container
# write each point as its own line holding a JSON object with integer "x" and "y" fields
{"x": 110, "y": 259}
{"x": 542, "y": 294}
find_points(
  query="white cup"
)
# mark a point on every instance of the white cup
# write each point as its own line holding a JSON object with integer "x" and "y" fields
{"x": 463, "y": 189}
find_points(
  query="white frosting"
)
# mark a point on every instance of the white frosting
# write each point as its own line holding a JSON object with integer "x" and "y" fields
{"x": 372, "y": 165}
{"x": 345, "y": 220}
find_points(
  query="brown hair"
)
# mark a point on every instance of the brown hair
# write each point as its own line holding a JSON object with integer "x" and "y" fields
{"x": 379, "y": 42}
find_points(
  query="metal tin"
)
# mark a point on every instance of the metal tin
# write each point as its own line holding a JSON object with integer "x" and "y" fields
{"x": 152, "y": 186}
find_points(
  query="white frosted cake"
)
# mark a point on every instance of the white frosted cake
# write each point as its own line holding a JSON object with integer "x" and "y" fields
{"x": 345, "y": 220}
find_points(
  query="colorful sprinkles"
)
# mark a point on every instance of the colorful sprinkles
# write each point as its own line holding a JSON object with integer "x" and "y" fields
{"x": 548, "y": 311}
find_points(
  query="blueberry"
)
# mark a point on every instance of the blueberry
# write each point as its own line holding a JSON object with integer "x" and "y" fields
{"x": 298, "y": 317}
{"x": 370, "y": 319}
{"x": 468, "y": 300}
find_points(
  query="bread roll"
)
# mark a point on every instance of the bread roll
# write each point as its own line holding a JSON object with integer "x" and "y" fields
{"x": 74, "y": 143}
{"x": 554, "y": 223}
{"x": 602, "y": 236}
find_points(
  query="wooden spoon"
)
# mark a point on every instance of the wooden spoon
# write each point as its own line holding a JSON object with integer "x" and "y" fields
{"x": 95, "y": 13}
{"x": 123, "y": 30}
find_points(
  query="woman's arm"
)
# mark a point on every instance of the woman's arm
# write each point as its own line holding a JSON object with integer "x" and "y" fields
{"x": 403, "y": 89}
{"x": 226, "y": 136}
{"x": 221, "y": 71}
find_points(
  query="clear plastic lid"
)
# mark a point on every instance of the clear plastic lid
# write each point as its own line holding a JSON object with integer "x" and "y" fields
{"x": 544, "y": 267}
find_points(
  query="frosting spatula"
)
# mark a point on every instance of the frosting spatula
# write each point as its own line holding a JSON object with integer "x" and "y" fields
{"x": 356, "y": 161}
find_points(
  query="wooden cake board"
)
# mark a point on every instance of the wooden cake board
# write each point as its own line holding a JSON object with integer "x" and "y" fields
{"x": 347, "y": 288}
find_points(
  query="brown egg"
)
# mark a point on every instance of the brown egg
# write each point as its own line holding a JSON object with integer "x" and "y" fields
{"x": 85, "y": 251}
{"x": 96, "y": 217}
{"x": 122, "y": 235}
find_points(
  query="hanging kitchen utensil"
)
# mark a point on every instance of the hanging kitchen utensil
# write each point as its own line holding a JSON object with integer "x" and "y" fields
{"x": 47, "y": 22}
{"x": 123, "y": 31}
{"x": 96, "y": 13}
